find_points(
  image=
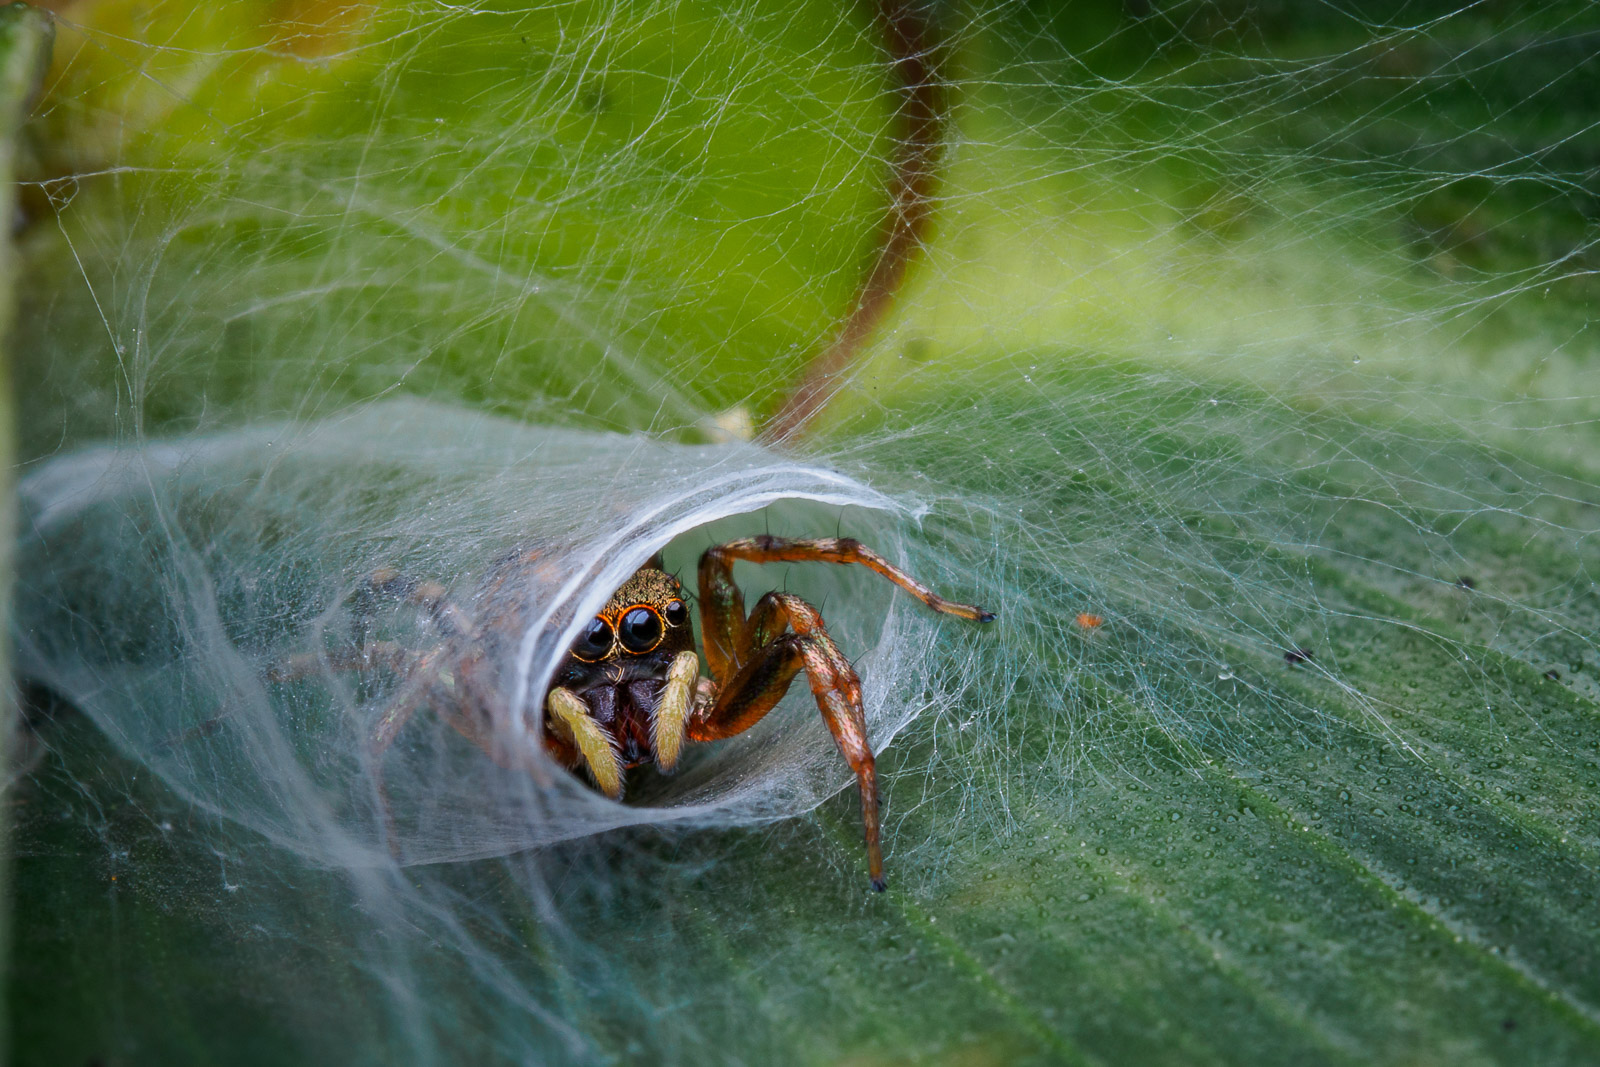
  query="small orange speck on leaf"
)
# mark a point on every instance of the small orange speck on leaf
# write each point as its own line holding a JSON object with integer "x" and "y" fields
{"x": 1090, "y": 621}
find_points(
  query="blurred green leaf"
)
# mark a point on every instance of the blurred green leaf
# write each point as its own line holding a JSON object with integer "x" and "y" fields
{"x": 593, "y": 213}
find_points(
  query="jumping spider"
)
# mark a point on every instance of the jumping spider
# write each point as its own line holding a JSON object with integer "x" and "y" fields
{"x": 629, "y": 690}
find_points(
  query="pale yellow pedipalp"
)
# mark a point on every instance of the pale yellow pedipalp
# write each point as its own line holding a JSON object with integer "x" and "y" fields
{"x": 573, "y": 716}
{"x": 671, "y": 716}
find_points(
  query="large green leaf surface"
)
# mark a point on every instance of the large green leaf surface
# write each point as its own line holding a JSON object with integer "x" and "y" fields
{"x": 1315, "y": 785}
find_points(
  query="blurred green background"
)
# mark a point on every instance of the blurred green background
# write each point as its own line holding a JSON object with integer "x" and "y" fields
{"x": 1224, "y": 302}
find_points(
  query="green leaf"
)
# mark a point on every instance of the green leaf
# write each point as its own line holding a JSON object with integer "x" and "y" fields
{"x": 1300, "y": 414}
{"x": 592, "y": 213}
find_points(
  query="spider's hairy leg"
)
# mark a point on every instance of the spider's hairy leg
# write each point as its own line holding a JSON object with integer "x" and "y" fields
{"x": 570, "y": 718}
{"x": 758, "y": 686}
{"x": 388, "y": 583}
{"x": 372, "y": 654}
{"x": 721, "y": 615}
{"x": 768, "y": 549}
{"x": 390, "y": 723}
{"x": 406, "y": 703}
{"x": 670, "y": 718}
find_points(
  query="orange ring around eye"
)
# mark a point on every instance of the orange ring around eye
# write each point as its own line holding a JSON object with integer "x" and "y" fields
{"x": 650, "y": 639}
{"x": 600, "y": 654}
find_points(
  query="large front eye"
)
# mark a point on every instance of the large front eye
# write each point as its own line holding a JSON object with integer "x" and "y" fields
{"x": 640, "y": 629}
{"x": 594, "y": 642}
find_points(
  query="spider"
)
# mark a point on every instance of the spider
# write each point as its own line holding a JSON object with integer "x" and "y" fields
{"x": 629, "y": 691}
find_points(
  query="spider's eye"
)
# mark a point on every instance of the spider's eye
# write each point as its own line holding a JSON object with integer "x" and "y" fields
{"x": 594, "y": 642}
{"x": 640, "y": 629}
{"x": 677, "y": 613}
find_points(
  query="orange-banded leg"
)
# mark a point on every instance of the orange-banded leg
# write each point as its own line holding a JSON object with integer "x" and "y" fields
{"x": 753, "y": 662}
{"x": 757, "y": 686}
{"x": 722, "y": 605}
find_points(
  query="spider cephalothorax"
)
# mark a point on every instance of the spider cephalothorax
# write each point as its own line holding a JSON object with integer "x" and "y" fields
{"x": 629, "y": 691}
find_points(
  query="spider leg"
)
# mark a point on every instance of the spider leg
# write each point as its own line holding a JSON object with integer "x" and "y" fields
{"x": 373, "y": 654}
{"x": 722, "y": 620}
{"x": 401, "y": 709}
{"x": 469, "y": 703}
{"x": 720, "y": 597}
{"x": 390, "y": 723}
{"x": 571, "y": 722}
{"x": 394, "y": 718}
{"x": 761, "y": 682}
{"x": 388, "y": 583}
{"x": 670, "y": 719}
